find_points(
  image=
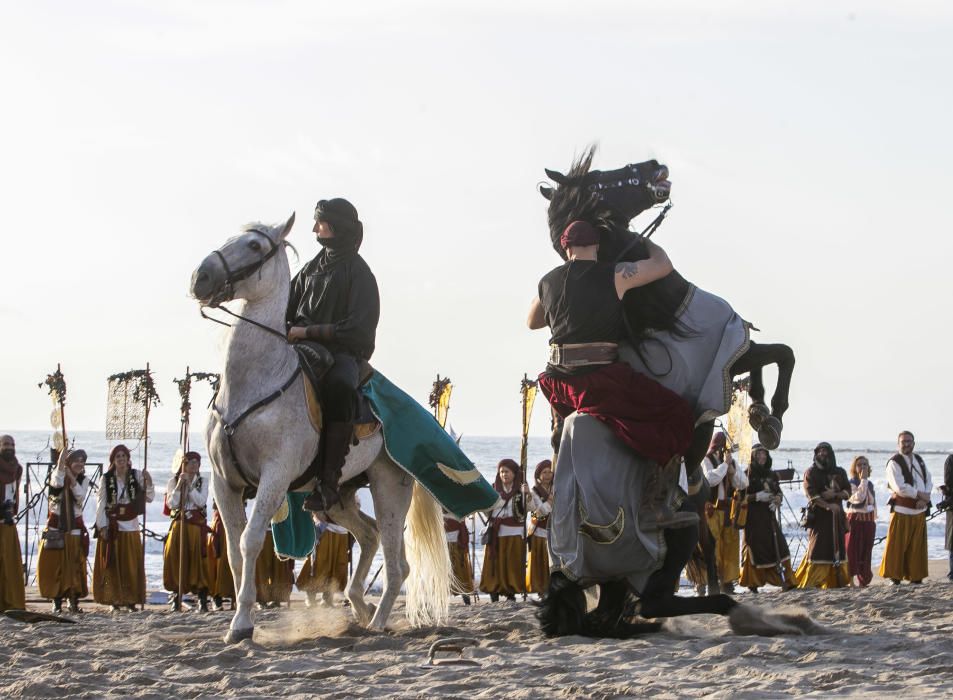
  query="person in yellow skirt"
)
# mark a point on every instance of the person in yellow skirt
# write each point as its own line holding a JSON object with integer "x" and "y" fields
{"x": 274, "y": 578}
{"x": 12, "y": 589}
{"x": 325, "y": 571}
{"x": 504, "y": 565}
{"x": 186, "y": 497}
{"x": 765, "y": 556}
{"x": 119, "y": 573}
{"x": 221, "y": 582}
{"x": 541, "y": 505}
{"x": 910, "y": 484}
{"x": 826, "y": 486}
{"x": 458, "y": 546}
{"x": 61, "y": 569}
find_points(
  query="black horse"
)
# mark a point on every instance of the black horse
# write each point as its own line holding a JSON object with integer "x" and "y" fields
{"x": 609, "y": 200}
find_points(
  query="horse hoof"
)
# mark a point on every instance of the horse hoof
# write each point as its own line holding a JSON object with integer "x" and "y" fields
{"x": 235, "y": 636}
{"x": 769, "y": 434}
{"x": 757, "y": 413}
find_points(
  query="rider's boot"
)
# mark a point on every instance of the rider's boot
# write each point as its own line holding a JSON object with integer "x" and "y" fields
{"x": 659, "y": 507}
{"x": 337, "y": 442}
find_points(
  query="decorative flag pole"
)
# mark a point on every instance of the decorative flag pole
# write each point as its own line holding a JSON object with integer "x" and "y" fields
{"x": 56, "y": 387}
{"x": 528, "y": 390}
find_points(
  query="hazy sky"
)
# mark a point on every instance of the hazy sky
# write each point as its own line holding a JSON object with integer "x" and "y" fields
{"x": 809, "y": 146}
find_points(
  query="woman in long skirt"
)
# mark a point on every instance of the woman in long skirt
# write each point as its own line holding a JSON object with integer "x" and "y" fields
{"x": 541, "y": 505}
{"x": 119, "y": 572}
{"x": 504, "y": 565}
{"x": 862, "y": 518}
{"x": 186, "y": 497}
{"x": 221, "y": 582}
{"x": 61, "y": 570}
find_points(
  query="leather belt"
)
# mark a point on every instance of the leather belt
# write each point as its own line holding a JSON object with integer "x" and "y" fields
{"x": 581, "y": 354}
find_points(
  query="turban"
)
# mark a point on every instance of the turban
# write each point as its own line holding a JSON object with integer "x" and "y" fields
{"x": 513, "y": 467}
{"x": 579, "y": 233}
{"x": 193, "y": 455}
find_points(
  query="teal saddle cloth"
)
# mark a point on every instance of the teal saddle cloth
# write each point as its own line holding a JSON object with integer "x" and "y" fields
{"x": 417, "y": 444}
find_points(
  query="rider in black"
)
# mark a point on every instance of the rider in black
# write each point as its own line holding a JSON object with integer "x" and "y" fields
{"x": 334, "y": 301}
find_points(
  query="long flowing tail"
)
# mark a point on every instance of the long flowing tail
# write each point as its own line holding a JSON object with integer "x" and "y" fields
{"x": 428, "y": 586}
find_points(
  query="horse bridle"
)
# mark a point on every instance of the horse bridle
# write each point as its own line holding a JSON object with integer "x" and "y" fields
{"x": 234, "y": 276}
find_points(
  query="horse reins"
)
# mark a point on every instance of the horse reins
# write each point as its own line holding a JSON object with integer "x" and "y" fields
{"x": 231, "y": 278}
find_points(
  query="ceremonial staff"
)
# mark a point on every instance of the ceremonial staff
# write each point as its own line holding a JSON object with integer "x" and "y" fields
{"x": 56, "y": 387}
{"x": 130, "y": 396}
{"x": 528, "y": 390}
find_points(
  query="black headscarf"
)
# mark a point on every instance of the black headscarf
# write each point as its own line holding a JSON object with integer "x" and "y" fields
{"x": 832, "y": 463}
{"x": 341, "y": 216}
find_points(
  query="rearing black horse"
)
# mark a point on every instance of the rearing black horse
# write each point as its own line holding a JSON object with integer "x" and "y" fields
{"x": 609, "y": 200}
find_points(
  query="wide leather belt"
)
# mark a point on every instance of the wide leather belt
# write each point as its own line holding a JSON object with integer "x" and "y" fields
{"x": 581, "y": 354}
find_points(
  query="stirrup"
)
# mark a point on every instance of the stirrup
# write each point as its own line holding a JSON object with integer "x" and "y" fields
{"x": 314, "y": 501}
{"x": 769, "y": 433}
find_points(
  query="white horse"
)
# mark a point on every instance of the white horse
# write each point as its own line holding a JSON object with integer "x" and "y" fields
{"x": 272, "y": 445}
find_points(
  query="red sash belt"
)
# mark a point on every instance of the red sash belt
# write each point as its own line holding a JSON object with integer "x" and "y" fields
{"x": 861, "y": 516}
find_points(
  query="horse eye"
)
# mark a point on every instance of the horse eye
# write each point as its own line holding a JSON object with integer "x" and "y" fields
{"x": 255, "y": 245}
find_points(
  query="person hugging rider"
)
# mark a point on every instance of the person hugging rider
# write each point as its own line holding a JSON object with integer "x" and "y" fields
{"x": 334, "y": 301}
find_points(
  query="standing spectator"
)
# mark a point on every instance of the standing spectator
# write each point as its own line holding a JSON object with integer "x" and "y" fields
{"x": 61, "y": 568}
{"x": 947, "y": 489}
{"x": 541, "y": 505}
{"x": 458, "y": 545}
{"x": 12, "y": 591}
{"x": 765, "y": 556}
{"x": 186, "y": 547}
{"x": 504, "y": 569}
{"x": 862, "y": 518}
{"x": 325, "y": 570}
{"x": 826, "y": 485}
{"x": 724, "y": 477}
{"x": 905, "y": 554}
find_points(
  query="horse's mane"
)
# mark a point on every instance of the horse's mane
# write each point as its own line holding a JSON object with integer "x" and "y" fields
{"x": 574, "y": 201}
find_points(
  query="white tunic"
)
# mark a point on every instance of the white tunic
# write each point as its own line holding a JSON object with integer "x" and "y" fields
{"x": 541, "y": 509}
{"x": 78, "y": 491}
{"x": 715, "y": 476}
{"x": 508, "y": 510}
{"x": 896, "y": 483}
{"x": 122, "y": 497}
{"x": 862, "y": 497}
{"x": 195, "y": 499}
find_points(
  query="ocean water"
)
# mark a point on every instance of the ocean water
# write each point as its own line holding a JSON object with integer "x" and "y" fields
{"x": 33, "y": 447}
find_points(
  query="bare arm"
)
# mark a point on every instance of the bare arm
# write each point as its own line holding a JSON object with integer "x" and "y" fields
{"x": 535, "y": 319}
{"x": 629, "y": 275}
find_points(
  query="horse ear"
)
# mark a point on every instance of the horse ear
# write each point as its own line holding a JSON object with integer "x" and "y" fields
{"x": 285, "y": 228}
{"x": 546, "y": 191}
{"x": 556, "y": 176}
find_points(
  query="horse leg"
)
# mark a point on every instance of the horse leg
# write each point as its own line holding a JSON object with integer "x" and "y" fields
{"x": 658, "y": 599}
{"x": 391, "y": 490}
{"x": 267, "y": 501}
{"x": 757, "y": 356}
{"x": 562, "y": 611}
{"x": 231, "y": 509}
{"x": 364, "y": 529}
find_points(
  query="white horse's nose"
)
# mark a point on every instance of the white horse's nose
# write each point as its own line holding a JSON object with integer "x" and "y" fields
{"x": 207, "y": 279}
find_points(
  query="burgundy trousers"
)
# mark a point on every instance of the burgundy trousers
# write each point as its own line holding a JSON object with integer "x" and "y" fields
{"x": 860, "y": 543}
{"x": 655, "y": 422}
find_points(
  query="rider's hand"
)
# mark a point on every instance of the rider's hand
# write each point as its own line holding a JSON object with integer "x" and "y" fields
{"x": 296, "y": 333}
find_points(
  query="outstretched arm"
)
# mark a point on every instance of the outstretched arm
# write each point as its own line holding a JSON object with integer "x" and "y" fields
{"x": 629, "y": 275}
{"x": 536, "y": 319}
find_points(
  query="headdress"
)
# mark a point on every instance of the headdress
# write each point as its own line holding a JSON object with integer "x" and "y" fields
{"x": 517, "y": 476}
{"x": 579, "y": 233}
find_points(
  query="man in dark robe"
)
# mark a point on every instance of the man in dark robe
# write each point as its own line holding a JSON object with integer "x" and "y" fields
{"x": 334, "y": 301}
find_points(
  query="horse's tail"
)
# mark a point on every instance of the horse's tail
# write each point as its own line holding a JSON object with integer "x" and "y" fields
{"x": 428, "y": 586}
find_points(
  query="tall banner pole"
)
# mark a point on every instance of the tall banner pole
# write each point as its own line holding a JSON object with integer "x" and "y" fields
{"x": 528, "y": 396}
{"x": 185, "y": 388}
{"x": 56, "y": 386}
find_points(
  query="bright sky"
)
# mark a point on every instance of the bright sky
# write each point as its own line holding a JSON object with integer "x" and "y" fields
{"x": 809, "y": 147}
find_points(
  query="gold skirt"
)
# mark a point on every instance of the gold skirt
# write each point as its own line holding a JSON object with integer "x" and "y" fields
{"x": 754, "y": 577}
{"x": 221, "y": 583}
{"x": 194, "y": 565}
{"x": 123, "y": 581}
{"x": 537, "y": 577}
{"x": 905, "y": 554}
{"x": 462, "y": 569}
{"x": 12, "y": 591}
{"x": 326, "y": 569}
{"x": 815, "y": 575}
{"x": 62, "y": 573}
{"x": 273, "y": 578}
{"x": 504, "y": 573}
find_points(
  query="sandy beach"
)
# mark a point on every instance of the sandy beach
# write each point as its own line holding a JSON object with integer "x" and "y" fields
{"x": 882, "y": 640}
